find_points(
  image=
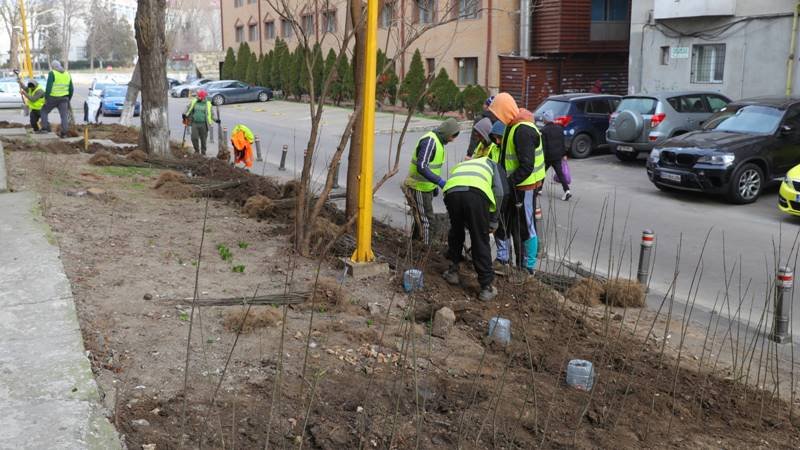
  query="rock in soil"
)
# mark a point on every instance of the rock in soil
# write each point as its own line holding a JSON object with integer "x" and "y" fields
{"x": 140, "y": 423}
{"x": 443, "y": 322}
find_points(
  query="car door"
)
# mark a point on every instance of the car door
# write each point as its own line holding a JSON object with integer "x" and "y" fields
{"x": 716, "y": 102}
{"x": 10, "y": 96}
{"x": 598, "y": 112}
{"x": 693, "y": 109}
{"x": 245, "y": 94}
{"x": 785, "y": 153}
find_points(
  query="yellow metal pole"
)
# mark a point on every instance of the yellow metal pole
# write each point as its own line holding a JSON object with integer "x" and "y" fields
{"x": 363, "y": 251}
{"x": 28, "y": 65}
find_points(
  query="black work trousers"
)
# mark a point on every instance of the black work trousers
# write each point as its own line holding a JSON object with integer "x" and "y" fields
{"x": 470, "y": 210}
{"x": 35, "y": 115}
{"x": 556, "y": 165}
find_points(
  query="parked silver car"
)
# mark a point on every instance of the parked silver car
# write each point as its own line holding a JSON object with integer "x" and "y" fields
{"x": 642, "y": 121}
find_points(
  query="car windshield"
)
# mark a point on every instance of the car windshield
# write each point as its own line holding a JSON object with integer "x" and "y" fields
{"x": 557, "y": 107}
{"x": 642, "y": 105}
{"x": 752, "y": 119}
{"x": 115, "y": 91}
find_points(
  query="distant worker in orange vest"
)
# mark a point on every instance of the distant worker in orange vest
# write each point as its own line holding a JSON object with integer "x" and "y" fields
{"x": 242, "y": 140}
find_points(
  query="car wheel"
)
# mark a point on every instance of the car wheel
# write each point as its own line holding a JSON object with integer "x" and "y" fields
{"x": 184, "y": 93}
{"x": 218, "y": 100}
{"x": 746, "y": 184}
{"x": 626, "y": 156}
{"x": 263, "y": 97}
{"x": 581, "y": 146}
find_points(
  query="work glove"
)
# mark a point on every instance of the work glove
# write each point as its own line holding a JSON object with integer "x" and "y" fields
{"x": 435, "y": 192}
{"x": 217, "y": 121}
{"x": 441, "y": 183}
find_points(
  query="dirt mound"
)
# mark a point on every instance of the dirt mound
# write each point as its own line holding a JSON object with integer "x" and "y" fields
{"x": 113, "y": 131}
{"x": 224, "y": 155}
{"x": 587, "y": 292}
{"x": 328, "y": 294}
{"x": 169, "y": 176}
{"x": 54, "y": 146}
{"x": 258, "y": 317}
{"x": 7, "y": 124}
{"x": 72, "y": 132}
{"x": 137, "y": 155}
{"x": 102, "y": 158}
{"x": 179, "y": 152}
{"x": 258, "y": 207}
{"x": 324, "y": 233}
{"x": 624, "y": 293}
{"x": 176, "y": 190}
{"x": 290, "y": 189}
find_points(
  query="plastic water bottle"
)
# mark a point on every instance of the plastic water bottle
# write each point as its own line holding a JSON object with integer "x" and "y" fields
{"x": 500, "y": 330}
{"x": 412, "y": 280}
{"x": 580, "y": 374}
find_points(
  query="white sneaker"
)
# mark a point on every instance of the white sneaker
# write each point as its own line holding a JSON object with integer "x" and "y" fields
{"x": 567, "y": 195}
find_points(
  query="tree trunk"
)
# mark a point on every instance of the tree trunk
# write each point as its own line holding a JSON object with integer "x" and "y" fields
{"x": 134, "y": 87}
{"x": 13, "y": 56}
{"x": 152, "y": 44}
{"x": 354, "y": 157}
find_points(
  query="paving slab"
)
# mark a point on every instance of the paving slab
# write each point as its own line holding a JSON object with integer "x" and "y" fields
{"x": 48, "y": 396}
{"x": 3, "y": 174}
{"x": 13, "y": 131}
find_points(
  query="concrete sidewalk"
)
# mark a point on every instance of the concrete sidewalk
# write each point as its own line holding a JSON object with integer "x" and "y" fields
{"x": 48, "y": 396}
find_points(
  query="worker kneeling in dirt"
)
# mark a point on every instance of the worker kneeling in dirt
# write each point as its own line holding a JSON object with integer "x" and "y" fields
{"x": 472, "y": 194}
{"x": 242, "y": 140}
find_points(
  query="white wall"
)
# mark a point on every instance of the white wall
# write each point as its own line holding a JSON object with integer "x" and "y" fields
{"x": 668, "y": 9}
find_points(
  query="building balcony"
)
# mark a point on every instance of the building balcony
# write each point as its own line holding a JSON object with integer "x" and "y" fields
{"x": 681, "y": 9}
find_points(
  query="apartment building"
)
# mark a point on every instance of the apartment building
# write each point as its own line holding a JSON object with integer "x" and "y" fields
{"x": 568, "y": 45}
{"x": 463, "y": 36}
{"x": 737, "y": 47}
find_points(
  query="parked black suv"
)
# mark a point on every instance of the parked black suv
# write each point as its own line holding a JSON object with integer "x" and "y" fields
{"x": 747, "y": 145}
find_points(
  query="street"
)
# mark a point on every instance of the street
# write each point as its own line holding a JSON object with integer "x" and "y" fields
{"x": 601, "y": 183}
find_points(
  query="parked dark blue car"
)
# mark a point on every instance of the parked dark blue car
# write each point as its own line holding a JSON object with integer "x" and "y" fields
{"x": 584, "y": 117}
{"x": 113, "y": 98}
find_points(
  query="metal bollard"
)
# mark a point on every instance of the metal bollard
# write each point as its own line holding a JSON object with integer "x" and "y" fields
{"x": 223, "y": 140}
{"x": 648, "y": 238}
{"x": 538, "y": 224}
{"x": 283, "y": 157}
{"x": 211, "y": 134}
{"x": 258, "y": 149}
{"x": 336, "y": 176}
{"x": 783, "y": 302}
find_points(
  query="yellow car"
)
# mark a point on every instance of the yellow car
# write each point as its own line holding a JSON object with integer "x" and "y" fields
{"x": 789, "y": 193}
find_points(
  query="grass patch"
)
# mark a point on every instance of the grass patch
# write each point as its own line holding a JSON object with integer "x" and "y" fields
{"x": 138, "y": 186}
{"x": 117, "y": 171}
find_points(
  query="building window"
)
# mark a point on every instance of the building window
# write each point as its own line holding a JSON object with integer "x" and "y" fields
{"x": 430, "y": 65}
{"x": 252, "y": 32}
{"x": 468, "y": 9}
{"x": 329, "y": 21}
{"x": 467, "y": 71}
{"x": 609, "y": 10}
{"x": 250, "y": 2}
{"x": 426, "y": 11}
{"x": 387, "y": 15}
{"x": 269, "y": 30}
{"x": 708, "y": 63}
{"x": 286, "y": 29}
{"x": 308, "y": 24}
{"x": 664, "y": 59}
{"x": 238, "y": 3}
{"x": 240, "y": 33}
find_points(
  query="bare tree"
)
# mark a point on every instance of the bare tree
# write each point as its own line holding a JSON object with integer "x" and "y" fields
{"x": 152, "y": 67}
{"x": 10, "y": 15}
{"x": 71, "y": 11}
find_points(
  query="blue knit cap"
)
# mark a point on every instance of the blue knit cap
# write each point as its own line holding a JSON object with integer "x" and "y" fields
{"x": 489, "y": 101}
{"x": 498, "y": 128}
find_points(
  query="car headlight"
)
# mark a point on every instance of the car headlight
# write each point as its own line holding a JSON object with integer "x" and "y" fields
{"x": 722, "y": 159}
{"x": 655, "y": 154}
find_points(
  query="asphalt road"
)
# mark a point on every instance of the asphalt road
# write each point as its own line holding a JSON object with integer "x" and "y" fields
{"x": 612, "y": 199}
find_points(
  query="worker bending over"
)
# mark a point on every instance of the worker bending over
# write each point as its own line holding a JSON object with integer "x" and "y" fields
{"x": 486, "y": 147}
{"x": 34, "y": 100}
{"x": 424, "y": 176}
{"x": 472, "y": 195}
{"x": 242, "y": 140}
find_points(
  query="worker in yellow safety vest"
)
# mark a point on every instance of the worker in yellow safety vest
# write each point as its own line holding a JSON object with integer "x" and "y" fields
{"x": 242, "y": 140}
{"x": 486, "y": 147}
{"x": 424, "y": 176}
{"x": 522, "y": 156}
{"x": 34, "y": 100}
{"x": 473, "y": 195}
{"x": 57, "y": 94}
{"x": 200, "y": 117}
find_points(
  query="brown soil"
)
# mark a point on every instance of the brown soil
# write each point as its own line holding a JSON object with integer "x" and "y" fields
{"x": 369, "y": 382}
{"x": 102, "y": 158}
{"x": 624, "y": 293}
{"x": 53, "y": 146}
{"x": 175, "y": 190}
{"x": 115, "y": 132}
{"x": 137, "y": 155}
{"x": 169, "y": 176}
{"x": 258, "y": 207}
{"x": 588, "y": 292}
{"x": 257, "y": 317}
